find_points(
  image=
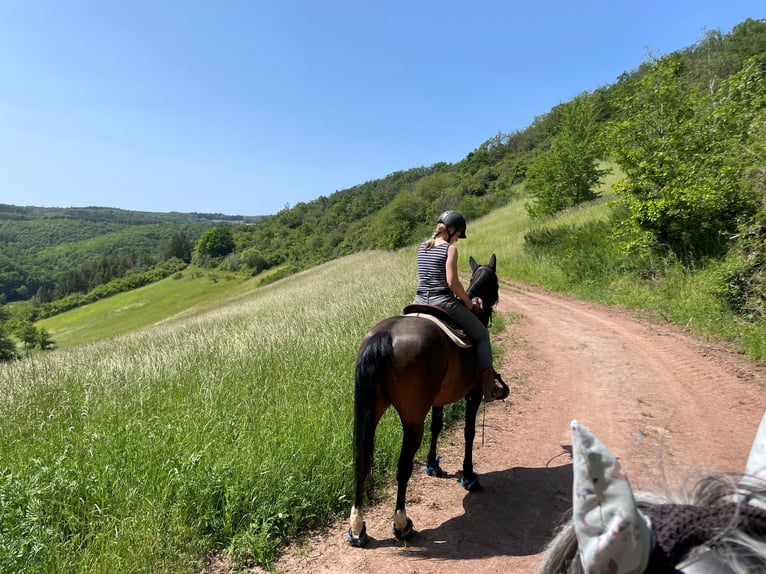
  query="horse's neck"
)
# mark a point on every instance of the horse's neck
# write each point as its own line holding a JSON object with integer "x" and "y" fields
{"x": 479, "y": 287}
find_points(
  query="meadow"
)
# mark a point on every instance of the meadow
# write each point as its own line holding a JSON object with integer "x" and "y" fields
{"x": 224, "y": 428}
{"x": 220, "y": 420}
{"x": 147, "y": 305}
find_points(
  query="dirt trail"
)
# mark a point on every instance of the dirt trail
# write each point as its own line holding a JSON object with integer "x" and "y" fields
{"x": 664, "y": 402}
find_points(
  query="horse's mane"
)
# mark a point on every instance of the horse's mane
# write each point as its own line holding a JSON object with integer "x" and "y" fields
{"x": 734, "y": 549}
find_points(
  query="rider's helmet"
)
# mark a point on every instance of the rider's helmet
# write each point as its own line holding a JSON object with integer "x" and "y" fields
{"x": 454, "y": 219}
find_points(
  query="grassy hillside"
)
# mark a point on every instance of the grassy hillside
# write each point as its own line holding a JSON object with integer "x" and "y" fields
{"x": 180, "y": 293}
{"x": 224, "y": 424}
{"x": 572, "y": 252}
{"x": 224, "y": 428}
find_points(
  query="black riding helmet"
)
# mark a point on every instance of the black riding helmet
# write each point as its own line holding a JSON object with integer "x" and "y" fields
{"x": 454, "y": 219}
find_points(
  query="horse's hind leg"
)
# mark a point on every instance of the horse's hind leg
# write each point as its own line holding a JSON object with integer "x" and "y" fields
{"x": 357, "y": 532}
{"x": 364, "y": 444}
{"x": 369, "y": 406}
{"x": 432, "y": 467}
{"x": 413, "y": 436}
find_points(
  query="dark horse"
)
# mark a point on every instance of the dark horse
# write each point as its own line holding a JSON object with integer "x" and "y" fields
{"x": 410, "y": 363}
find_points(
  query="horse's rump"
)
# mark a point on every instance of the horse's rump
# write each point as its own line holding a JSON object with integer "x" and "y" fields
{"x": 424, "y": 360}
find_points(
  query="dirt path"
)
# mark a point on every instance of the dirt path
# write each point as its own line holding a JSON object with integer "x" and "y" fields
{"x": 668, "y": 405}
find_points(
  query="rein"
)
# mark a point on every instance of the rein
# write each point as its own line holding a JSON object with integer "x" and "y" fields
{"x": 477, "y": 278}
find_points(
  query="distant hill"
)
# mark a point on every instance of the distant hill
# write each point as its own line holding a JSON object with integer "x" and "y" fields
{"x": 39, "y": 244}
{"x": 114, "y": 215}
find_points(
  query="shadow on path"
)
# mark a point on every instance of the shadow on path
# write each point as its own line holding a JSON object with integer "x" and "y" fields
{"x": 515, "y": 513}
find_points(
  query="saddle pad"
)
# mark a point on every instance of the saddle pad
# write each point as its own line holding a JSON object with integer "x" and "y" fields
{"x": 463, "y": 342}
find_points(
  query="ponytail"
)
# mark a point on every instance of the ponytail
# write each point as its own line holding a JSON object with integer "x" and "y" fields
{"x": 440, "y": 227}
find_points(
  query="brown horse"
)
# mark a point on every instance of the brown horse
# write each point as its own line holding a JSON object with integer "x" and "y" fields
{"x": 410, "y": 363}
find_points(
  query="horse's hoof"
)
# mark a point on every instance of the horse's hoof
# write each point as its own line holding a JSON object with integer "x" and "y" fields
{"x": 405, "y": 533}
{"x": 471, "y": 485}
{"x": 435, "y": 470}
{"x": 358, "y": 541}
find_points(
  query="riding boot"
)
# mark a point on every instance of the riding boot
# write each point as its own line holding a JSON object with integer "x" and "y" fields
{"x": 491, "y": 391}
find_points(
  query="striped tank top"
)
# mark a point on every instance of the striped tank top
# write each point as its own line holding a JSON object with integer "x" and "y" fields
{"x": 432, "y": 268}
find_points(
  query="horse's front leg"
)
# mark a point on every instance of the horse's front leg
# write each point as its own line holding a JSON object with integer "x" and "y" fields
{"x": 432, "y": 467}
{"x": 413, "y": 436}
{"x": 470, "y": 480}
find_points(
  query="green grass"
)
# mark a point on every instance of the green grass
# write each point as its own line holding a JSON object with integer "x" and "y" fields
{"x": 504, "y": 231}
{"x": 182, "y": 293}
{"x": 224, "y": 429}
{"x": 215, "y": 416}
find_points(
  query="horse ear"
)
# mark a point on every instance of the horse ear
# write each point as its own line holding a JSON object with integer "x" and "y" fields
{"x": 473, "y": 263}
{"x": 612, "y": 535}
{"x": 493, "y": 262}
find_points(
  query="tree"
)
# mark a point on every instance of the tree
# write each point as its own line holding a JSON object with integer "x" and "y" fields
{"x": 684, "y": 188}
{"x": 44, "y": 340}
{"x": 566, "y": 174}
{"x": 399, "y": 220}
{"x": 7, "y": 346}
{"x": 28, "y": 335}
{"x": 215, "y": 242}
{"x": 179, "y": 245}
{"x": 253, "y": 259}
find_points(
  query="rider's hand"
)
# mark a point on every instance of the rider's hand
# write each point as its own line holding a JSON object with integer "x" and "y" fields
{"x": 478, "y": 305}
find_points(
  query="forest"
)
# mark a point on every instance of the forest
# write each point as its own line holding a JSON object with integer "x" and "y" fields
{"x": 685, "y": 133}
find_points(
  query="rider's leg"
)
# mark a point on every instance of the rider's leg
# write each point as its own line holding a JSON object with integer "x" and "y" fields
{"x": 492, "y": 391}
{"x": 480, "y": 337}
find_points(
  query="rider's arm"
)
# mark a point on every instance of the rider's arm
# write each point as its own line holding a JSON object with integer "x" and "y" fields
{"x": 453, "y": 280}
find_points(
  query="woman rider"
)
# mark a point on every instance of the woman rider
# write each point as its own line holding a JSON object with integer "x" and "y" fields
{"x": 438, "y": 284}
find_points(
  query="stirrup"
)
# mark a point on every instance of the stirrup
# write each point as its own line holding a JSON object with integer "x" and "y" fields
{"x": 499, "y": 393}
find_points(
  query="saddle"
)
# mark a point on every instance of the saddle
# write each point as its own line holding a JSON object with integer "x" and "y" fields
{"x": 442, "y": 319}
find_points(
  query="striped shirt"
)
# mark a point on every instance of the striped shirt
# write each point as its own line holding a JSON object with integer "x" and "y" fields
{"x": 432, "y": 268}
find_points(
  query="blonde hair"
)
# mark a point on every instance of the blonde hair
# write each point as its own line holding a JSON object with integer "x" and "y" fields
{"x": 440, "y": 228}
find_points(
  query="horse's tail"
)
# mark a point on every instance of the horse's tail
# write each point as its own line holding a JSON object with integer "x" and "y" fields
{"x": 372, "y": 363}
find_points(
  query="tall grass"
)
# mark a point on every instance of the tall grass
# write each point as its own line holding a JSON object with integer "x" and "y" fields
{"x": 228, "y": 429}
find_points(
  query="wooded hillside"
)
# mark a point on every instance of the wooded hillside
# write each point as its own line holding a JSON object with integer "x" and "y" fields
{"x": 41, "y": 248}
{"x": 688, "y": 131}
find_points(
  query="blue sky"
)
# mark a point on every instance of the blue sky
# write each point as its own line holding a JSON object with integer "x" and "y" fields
{"x": 245, "y": 107}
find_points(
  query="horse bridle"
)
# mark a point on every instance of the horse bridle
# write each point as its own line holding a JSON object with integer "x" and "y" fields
{"x": 471, "y": 291}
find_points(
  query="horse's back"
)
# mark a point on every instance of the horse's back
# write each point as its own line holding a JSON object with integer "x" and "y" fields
{"x": 426, "y": 368}
{"x": 411, "y": 336}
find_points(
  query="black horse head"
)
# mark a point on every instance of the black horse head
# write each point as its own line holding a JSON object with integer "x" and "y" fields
{"x": 484, "y": 284}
